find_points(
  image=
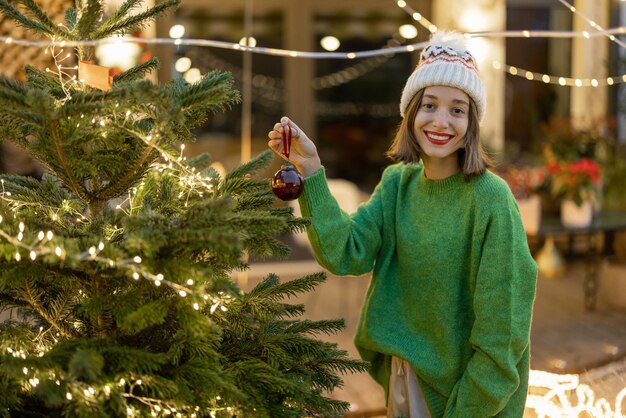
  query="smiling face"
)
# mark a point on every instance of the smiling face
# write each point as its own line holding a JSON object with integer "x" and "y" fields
{"x": 440, "y": 126}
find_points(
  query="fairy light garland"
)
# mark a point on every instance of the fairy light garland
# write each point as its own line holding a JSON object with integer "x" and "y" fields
{"x": 600, "y": 30}
{"x": 532, "y": 76}
{"x": 561, "y": 395}
{"x": 535, "y": 76}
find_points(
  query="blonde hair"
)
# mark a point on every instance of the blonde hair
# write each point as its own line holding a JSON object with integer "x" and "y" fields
{"x": 404, "y": 148}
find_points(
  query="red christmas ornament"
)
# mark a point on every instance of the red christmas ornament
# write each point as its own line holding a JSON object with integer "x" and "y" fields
{"x": 287, "y": 183}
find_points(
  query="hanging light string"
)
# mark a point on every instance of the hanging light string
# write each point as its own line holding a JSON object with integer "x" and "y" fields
{"x": 551, "y": 79}
{"x": 307, "y": 54}
{"x": 417, "y": 16}
{"x": 337, "y": 78}
{"x": 600, "y": 30}
{"x": 531, "y": 75}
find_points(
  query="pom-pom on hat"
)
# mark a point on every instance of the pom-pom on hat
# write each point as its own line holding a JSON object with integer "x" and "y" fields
{"x": 446, "y": 62}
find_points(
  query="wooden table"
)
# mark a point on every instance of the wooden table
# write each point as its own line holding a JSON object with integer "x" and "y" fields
{"x": 599, "y": 235}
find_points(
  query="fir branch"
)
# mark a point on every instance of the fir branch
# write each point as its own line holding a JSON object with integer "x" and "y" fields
{"x": 292, "y": 311}
{"x": 93, "y": 101}
{"x": 88, "y": 19}
{"x": 337, "y": 360}
{"x": 126, "y": 25}
{"x": 32, "y": 296}
{"x": 13, "y": 85}
{"x": 44, "y": 19}
{"x": 265, "y": 247}
{"x": 67, "y": 171}
{"x": 14, "y": 101}
{"x": 45, "y": 194}
{"x": 12, "y": 13}
{"x": 328, "y": 327}
{"x": 118, "y": 187}
{"x": 42, "y": 80}
{"x": 71, "y": 18}
{"x": 211, "y": 92}
{"x": 257, "y": 163}
{"x": 138, "y": 71}
{"x": 121, "y": 11}
{"x": 257, "y": 201}
{"x": 201, "y": 161}
{"x": 271, "y": 290}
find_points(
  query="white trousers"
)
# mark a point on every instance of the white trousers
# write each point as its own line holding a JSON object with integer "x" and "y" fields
{"x": 405, "y": 395}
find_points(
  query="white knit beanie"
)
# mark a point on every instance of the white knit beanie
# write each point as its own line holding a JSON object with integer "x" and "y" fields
{"x": 446, "y": 62}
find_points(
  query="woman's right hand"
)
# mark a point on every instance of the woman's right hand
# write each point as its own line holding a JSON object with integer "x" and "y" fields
{"x": 303, "y": 153}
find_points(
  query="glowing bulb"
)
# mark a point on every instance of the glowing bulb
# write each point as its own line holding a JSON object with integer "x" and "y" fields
{"x": 58, "y": 251}
{"x": 408, "y": 31}
{"x": 177, "y": 31}
{"x": 136, "y": 276}
{"x": 182, "y": 64}
{"x": 137, "y": 259}
{"x": 330, "y": 43}
{"x": 192, "y": 75}
{"x": 33, "y": 255}
{"x": 562, "y": 81}
{"x": 182, "y": 293}
{"x": 249, "y": 40}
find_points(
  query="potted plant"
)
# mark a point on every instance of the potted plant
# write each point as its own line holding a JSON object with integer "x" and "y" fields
{"x": 576, "y": 184}
{"x": 565, "y": 148}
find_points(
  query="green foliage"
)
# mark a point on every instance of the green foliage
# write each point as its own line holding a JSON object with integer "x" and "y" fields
{"x": 117, "y": 262}
{"x": 283, "y": 370}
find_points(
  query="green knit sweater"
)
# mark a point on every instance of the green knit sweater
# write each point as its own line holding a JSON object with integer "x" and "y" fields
{"x": 452, "y": 288}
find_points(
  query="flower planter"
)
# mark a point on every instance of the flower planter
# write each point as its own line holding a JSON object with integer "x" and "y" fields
{"x": 575, "y": 216}
{"x": 530, "y": 211}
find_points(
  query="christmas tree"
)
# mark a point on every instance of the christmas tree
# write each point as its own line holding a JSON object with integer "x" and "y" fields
{"x": 118, "y": 260}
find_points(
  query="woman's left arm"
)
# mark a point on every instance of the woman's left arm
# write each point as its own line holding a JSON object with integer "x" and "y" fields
{"x": 503, "y": 299}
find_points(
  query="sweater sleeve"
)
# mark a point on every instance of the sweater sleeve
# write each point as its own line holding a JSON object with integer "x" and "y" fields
{"x": 342, "y": 243}
{"x": 503, "y": 298}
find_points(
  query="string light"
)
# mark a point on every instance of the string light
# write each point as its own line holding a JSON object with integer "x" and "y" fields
{"x": 533, "y": 76}
{"x": 600, "y": 30}
{"x": 345, "y": 55}
{"x": 563, "y": 395}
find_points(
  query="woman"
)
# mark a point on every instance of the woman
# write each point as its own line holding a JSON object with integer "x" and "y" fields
{"x": 446, "y": 320}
